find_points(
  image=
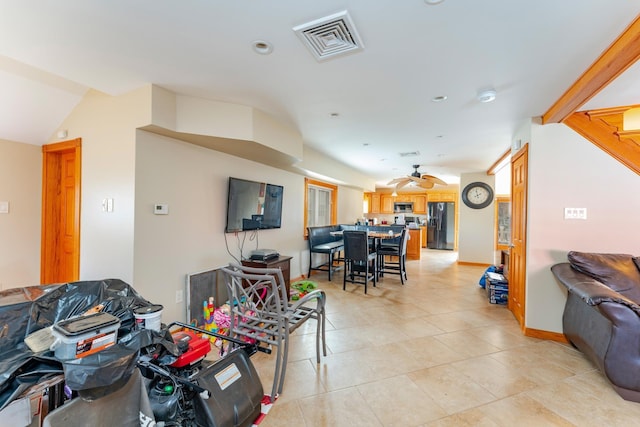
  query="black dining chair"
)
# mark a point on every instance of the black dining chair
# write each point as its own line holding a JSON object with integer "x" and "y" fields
{"x": 397, "y": 257}
{"x": 360, "y": 263}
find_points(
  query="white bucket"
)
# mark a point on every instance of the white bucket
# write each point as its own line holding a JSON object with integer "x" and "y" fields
{"x": 148, "y": 317}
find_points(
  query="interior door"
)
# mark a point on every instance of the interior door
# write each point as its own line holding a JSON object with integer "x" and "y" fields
{"x": 517, "y": 259}
{"x": 60, "y": 246}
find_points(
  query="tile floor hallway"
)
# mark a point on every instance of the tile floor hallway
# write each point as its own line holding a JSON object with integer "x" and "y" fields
{"x": 434, "y": 353}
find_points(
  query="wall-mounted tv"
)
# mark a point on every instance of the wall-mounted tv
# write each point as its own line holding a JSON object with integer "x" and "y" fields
{"x": 253, "y": 205}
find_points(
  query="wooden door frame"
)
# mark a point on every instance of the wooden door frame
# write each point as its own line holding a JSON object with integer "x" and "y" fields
{"x": 50, "y": 182}
{"x": 520, "y": 316}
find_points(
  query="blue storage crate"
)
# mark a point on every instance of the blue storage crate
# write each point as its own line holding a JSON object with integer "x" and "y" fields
{"x": 497, "y": 289}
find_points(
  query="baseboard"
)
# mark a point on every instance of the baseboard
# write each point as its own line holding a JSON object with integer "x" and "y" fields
{"x": 545, "y": 335}
{"x": 475, "y": 264}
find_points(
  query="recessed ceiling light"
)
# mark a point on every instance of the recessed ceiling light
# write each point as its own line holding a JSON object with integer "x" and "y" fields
{"x": 262, "y": 47}
{"x": 487, "y": 95}
{"x": 439, "y": 98}
{"x": 334, "y": 114}
{"x": 433, "y": 2}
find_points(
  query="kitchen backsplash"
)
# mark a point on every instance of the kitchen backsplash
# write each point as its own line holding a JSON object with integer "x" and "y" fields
{"x": 391, "y": 217}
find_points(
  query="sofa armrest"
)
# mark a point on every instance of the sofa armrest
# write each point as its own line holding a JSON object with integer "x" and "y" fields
{"x": 588, "y": 289}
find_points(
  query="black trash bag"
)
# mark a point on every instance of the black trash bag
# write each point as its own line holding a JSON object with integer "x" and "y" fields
{"x": 111, "y": 296}
{"x": 27, "y": 310}
{"x": 114, "y": 365}
{"x": 32, "y": 371}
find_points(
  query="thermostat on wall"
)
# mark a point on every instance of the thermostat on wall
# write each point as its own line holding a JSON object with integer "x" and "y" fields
{"x": 161, "y": 209}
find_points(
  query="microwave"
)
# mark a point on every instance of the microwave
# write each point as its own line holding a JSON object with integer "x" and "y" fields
{"x": 403, "y": 207}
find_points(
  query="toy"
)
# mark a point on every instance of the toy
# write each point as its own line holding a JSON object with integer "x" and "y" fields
{"x": 302, "y": 288}
{"x": 209, "y": 318}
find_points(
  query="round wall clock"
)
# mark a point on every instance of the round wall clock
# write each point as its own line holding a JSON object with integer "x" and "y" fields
{"x": 477, "y": 195}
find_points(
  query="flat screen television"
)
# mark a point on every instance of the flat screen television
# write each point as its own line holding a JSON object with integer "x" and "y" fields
{"x": 253, "y": 205}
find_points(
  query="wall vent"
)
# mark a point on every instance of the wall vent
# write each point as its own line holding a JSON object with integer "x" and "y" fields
{"x": 330, "y": 36}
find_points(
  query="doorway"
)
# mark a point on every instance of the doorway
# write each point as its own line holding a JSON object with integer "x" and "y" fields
{"x": 60, "y": 243}
{"x": 517, "y": 258}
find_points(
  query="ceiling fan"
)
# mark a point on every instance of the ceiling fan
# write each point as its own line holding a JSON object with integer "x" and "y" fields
{"x": 424, "y": 181}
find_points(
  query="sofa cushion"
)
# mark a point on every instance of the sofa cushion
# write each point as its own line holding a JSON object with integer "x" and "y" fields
{"x": 617, "y": 271}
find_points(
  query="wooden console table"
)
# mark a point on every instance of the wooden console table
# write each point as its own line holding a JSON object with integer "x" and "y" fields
{"x": 282, "y": 262}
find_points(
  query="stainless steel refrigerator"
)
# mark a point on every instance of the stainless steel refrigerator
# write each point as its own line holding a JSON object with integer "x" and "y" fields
{"x": 440, "y": 226}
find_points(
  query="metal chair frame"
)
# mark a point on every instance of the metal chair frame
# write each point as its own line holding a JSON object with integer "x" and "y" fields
{"x": 260, "y": 311}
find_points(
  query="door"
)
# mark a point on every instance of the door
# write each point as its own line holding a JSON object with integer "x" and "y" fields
{"x": 60, "y": 245}
{"x": 517, "y": 259}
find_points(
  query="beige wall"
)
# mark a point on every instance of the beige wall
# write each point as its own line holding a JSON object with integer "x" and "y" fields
{"x": 20, "y": 183}
{"x": 193, "y": 181}
{"x": 476, "y": 236}
{"x": 107, "y": 126}
{"x": 565, "y": 170}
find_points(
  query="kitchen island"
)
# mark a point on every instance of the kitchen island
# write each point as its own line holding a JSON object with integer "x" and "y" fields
{"x": 414, "y": 245}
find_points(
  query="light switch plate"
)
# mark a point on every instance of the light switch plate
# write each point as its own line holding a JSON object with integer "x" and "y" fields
{"x": 4, "y": 207}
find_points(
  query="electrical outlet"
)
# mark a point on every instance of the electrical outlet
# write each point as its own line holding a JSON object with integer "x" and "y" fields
{"x": 179, "y": 296}
{"x": 575, "y": 213}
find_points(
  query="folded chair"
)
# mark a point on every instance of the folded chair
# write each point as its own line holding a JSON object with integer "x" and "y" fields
{"x": 360, "y": 262}
{"x": 260, "y": 311}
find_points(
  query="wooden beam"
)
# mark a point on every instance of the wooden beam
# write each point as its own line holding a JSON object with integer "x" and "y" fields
{"x": 494, "y": 167}
{"x": 625, "y": 150}
{"x": 619, "y": 56}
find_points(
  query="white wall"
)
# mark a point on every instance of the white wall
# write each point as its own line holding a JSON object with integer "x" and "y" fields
{"x": 193, "y": 181}
{"x": 565, "y": 170}
{"x": 20, "y": 185}
{"x": 476, "y": 234}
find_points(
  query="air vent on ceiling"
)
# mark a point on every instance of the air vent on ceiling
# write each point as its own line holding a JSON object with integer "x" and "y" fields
{"x": 330, "y": 36}
{"x": 410, "y": 154}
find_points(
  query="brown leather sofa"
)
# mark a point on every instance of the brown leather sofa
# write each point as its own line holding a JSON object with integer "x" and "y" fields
{"x": 602, "y": 314}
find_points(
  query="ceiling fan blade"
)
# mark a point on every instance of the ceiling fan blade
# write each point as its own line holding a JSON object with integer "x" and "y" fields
{"x": 434, "y": 179}
{"x": 395, "y": 181}
{"x": 402, "y": 184}
{"x": 415, "y": 179}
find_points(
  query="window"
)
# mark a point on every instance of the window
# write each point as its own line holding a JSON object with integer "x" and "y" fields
{"x": 320, "y": 203}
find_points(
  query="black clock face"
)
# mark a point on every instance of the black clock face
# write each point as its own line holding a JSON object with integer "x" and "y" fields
{"x": 477, "y": 195}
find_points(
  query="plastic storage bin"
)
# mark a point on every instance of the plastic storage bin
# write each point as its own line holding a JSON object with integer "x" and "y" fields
{"x": 497, "y": 288}
{"x": 82, "y": 336}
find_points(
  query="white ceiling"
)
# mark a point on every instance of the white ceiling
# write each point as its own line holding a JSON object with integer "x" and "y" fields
{"x": 51, "y": 52}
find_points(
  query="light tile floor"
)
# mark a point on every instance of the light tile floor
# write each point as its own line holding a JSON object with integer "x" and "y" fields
{"x": 434, "y": 352}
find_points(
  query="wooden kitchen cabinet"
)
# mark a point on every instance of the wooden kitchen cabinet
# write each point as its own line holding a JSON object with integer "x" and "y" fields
{"x": 386, "y": 204}
{"x": 373, "y": 202}
{"x": 414, "y": 245}
{"x": 420, "y": 204}
{"x": 374, "y": 205}
{"x": 445, "y": 196}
